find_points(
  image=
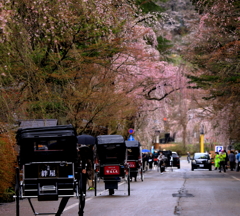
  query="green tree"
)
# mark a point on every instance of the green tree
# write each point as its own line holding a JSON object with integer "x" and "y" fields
{"x": 215, "y": 52}
{"x": 56, "y": 59}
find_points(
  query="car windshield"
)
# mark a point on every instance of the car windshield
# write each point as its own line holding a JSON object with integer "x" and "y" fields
{"x": 201, "y": 156}
{"x": 174, "y": 155}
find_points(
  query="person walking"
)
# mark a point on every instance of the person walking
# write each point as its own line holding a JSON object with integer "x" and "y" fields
{"x": 222, "y": 156}
{"x": 217, "y": 161}
{"x": 188, "y": 157}
{"x": 231, "y": 158}
{"x": 226, "y": 159}
{"x": 145, "y": 160}
{"x": 150, "y": 161}
{"x": 161, "y": 159}
{"x": 238, "y": 161}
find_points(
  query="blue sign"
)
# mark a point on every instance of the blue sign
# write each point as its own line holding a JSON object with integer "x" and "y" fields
{"x": 218, "y": 148}
{"x": 131, "y": 138}
{"x": 130, "y": 131}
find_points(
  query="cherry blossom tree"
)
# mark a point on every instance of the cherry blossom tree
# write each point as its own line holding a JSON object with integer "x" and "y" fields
{"x": 215, "y": 52}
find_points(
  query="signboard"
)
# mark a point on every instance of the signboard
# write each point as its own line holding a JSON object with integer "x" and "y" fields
{"x": 130, "y": 131}
{"x": 132, "y": 164}
{"x": 218, "y": 148}
{"x": 131, "y": 138}
{"x": 111, "y": 170}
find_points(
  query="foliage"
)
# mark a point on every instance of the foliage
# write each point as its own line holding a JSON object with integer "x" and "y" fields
{"x": 93, "y": 63}
{"x": 216, "y": 56}
{"x": 149, "y": 5}
{"x": 237, "y": 146}
{"x": 182, "y": 150}
{"x": 60, "y": 66}
{"x": 8, "y": 163}
{"x": 163, "y": 44}
{"x": 7, "y": 196}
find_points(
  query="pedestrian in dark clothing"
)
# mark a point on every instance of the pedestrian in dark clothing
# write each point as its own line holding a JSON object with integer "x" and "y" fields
{"x": 222, "y": 156}
{"x": 150, "y": 161}
{"x": 226, "y": 159}
{"x": 188, "y": 157}
{"x": 232, "y": 159}
{"x": 238, "y": 161}
{"x": 161, "y": 159}
{"x": 145, "y": 161}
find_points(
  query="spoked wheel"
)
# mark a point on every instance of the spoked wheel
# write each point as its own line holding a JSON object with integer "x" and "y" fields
{"x": 82, "y": 193}
{"x": 17, "y": 191}
{"x": 128, "y": 181}
{"x": 95, "y": 184}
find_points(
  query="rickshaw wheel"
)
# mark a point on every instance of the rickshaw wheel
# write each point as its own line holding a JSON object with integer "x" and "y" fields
{"x": 80, "y": 213}
{"x": 17, "y": 191}
{"x": 128, "y": 185}
{"x": 81, "y": 194}
{"x": 95, "y": 184}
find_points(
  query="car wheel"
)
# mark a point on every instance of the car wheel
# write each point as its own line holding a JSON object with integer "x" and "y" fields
{"x": 210, "y": 168}
{"x": 178, "y": 167}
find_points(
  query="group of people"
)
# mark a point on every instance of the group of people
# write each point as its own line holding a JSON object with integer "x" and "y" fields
{"x": 152, "y": 159}
{"x": 223, "y": 159}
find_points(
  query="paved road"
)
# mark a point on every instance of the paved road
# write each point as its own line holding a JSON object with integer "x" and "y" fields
{"x": 177, "y": 192}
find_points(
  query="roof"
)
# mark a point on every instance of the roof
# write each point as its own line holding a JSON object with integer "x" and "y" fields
{"x": 37, "y": 123}
{"x": 57, "y": 131}
{"x": 133, "y": 143}
{"x": 110, "y": 139}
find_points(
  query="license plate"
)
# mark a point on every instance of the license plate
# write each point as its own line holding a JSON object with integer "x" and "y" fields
{"x": 201, "y": 165}
{"x": 111, "y": 170}
{"x": 132, "y": 164}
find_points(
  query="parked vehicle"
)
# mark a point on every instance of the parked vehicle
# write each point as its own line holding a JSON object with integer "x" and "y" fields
{"x": 175, "y": 160}
{"x": 111, "y": 162}
{"x": 50, "y": 168}
{"x": 135, "y": 159}
{"x": 201, "y": 161}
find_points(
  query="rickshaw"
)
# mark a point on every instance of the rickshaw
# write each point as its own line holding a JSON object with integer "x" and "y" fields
{"x": 111, "y": 162}
{"x": 48, "y": 163}
{"x": 134, "y": 150}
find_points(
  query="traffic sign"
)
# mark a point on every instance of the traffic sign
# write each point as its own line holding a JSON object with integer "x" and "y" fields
{"x": 218, "y": 148}
{"x": 130, "y": 131}
{"x": 131, "y": 138}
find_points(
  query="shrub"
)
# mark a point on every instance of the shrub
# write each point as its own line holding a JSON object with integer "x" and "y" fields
{"x": 8, "y": 163}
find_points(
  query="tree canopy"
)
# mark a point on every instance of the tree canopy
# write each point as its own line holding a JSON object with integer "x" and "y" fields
{"x": 216, "y": 56}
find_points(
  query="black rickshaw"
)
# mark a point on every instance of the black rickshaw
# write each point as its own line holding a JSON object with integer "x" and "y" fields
{"x": 49, "y": 167}
{"x": 135, "y": 159}
{"x": 111, "y": 162}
